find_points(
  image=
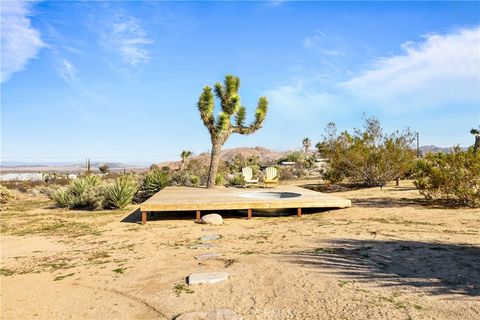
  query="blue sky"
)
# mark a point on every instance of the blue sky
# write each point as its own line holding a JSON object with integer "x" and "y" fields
{"x": 119, "y": 81}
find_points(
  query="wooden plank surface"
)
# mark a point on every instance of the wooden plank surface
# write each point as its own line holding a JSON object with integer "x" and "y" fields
{"x": 221, "y": 198}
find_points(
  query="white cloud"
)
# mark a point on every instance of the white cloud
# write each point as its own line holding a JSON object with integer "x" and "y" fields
{"x": 68, "y": 71}
{"x": 125, "y": 36}
{"x": 20, "y": 41}
{"x": 440, "y": 71}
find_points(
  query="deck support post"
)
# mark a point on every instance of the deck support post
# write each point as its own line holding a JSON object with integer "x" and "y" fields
{"x": 144, "y": 217}
{"x": 249, "y": 214}
{"x": 198, "y": 216}
{"x": 299, "y": 212}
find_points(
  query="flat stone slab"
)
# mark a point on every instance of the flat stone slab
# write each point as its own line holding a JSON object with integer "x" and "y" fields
{"x": 209, "y": 237}
{"x": 211, "y": 277}
{"x": 219, "y": 314}
{"x": 205, "y": 256}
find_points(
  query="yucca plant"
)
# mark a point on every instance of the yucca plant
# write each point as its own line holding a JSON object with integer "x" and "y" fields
{"x": 63, "y": 198}
{"x": 120, "y": 193}
{"x": 154, "y": 181}
{"x": 80, "y": 189}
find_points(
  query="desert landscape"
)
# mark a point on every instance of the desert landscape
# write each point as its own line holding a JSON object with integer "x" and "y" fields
{"x": 392, "y": 255}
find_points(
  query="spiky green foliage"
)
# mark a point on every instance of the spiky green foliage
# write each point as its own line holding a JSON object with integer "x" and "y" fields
{"x": 63, "y": 198}
{"x": 120, "y": 193}
{"x": 453, "y": 179}
{"x": 154, "y": 181}
{"x": 221, "y": 127}
{"x": 84, "y": 192}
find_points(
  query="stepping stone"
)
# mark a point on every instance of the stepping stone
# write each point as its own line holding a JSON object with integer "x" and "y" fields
{"x": 209, "y": 237}
{"x": 219, "y": 314}
{"x": 205, "y": 256}
{"x": 202, "y": 246}
{"x": 212, "y": 218}
{"x": 211, "y": 277}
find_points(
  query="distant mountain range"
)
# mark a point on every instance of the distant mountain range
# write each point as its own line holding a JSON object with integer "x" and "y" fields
{"x": 435, "y": 149}
{"x": 264, "y": 155}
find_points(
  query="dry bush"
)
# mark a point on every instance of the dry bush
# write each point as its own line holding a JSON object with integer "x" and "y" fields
{"x": 6, "y": 195}
{"x": 453, "y": 179}
{"x": 367, "y": 156}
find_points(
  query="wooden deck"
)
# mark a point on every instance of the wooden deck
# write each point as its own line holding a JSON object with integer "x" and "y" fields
{"x": 198, "y": 199}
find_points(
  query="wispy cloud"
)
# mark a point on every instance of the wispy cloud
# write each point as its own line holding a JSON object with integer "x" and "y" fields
{"x": 67, "y": 71}
{"x": 126, "y": 37}
{"x": 441, "y": 70}
{"x": 20, "y": 41}
{"x": 327, "y": 46}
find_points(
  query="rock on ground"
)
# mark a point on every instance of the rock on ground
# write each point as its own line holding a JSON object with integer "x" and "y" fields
{"x": 210, "y": 237}
{"x": 212, "y": 255}
{"x": 219, "y": 314}
{"x": 210, "y": 277}
{"x": 212, "y": 218}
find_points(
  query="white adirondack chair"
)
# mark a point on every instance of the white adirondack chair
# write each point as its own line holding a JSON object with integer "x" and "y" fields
{"x": 248, "y": 176}
{"x": 271, "y": 178}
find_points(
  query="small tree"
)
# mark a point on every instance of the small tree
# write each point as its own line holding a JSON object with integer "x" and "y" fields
{"x": 221, "y": 127}
{"x": 185, "y": 155}
{"x": 476, "y": 146}
{"x": 367, "y": 156}
{"x": 306, "y": 144}
{"x": 104, "y": 168}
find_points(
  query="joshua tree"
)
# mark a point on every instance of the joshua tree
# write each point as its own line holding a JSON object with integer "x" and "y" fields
{"x": 307, "y": 144}
{"x": 476, "y": 133}
{"x": 221, "y": 126}
{"x": 185, "y": 155}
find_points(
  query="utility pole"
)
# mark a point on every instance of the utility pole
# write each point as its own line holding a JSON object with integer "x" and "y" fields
{"x": 418, "y": 146}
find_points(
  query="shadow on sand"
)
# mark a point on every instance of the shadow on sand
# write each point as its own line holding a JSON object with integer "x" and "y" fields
{"x": 434, "y": 268}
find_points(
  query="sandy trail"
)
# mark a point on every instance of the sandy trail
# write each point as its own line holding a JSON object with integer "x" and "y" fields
{"x": 390, "y": 256}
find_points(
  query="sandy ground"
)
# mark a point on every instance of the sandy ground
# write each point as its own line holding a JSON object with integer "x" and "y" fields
{"x": 390, "y": 256}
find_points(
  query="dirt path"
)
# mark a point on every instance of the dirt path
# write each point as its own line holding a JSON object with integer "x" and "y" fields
{"x": 390, "y": 256}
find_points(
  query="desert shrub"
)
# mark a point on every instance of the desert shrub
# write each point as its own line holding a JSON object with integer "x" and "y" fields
{"x": 63, "y": 198}
{"x": 104, "y": 168}
{"x": 6, "y": 195}
{"x": 453, "y": 179}
{"x": 121, "y": 193}
{"x": 85, "y": 192}
{"x": 366, "y": 156}
{"x": 195, "y": 180}
{"x": 154, "y": 181}
{"x": 220, "y": 179}
{"x": 237, "y": 180}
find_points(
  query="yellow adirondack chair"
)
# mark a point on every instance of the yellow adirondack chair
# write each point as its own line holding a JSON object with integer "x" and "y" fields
{"x": 248, "y": 177}
{"x": 271, "y": 178}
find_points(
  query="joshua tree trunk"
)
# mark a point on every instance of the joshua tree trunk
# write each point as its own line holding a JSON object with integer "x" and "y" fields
{"x": 221, "y": 127}
{"x": 214, "y": 161}
{"x": 476, "y": 146}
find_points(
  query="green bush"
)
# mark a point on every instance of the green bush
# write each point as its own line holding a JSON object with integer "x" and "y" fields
{"x": 6, "y": 195}
{"x": 219, "y": 179}
{"x": 195, "y": 180}
{"x": 453, "y": 179}
{"x": 237, "y": 180}
{"x": 366, "y": 156}
{"x": 85, "y": 192}
{"x": 121, "y": 193}
{"x": 63, "y": 198}
{"x": 154, "y": 181}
